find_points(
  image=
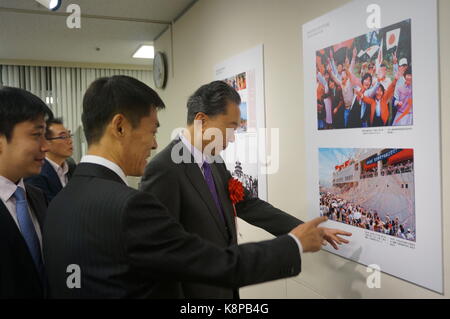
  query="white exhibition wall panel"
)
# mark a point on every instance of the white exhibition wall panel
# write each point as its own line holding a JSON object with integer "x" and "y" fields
{"x": 246, "y": 157}
{"x": 373, "y": 134}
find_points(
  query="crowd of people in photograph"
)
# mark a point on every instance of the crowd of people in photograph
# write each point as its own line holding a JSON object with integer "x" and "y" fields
{"x": 344, "y": 211}
{"x": 391, "y": 169}
{"x": 371, "y": 98}
{"x": 399, "y": 168}
{"x": 238, "y": 82}
{"x": 249, "y": 182}
{"x": 373, "y": 172}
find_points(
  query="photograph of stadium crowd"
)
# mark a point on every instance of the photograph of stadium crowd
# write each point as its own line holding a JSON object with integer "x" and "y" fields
{"x": 371, "y": 189}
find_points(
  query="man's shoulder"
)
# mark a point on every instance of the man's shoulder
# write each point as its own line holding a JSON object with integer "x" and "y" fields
{"x": 96, "y": 192}
{"x": 169, "y": 159}
{"x": 44, "y": 175}
{"x": 31, "y": 189}
{"x": 35, "y": 194}
{"x": 124, "y": 197}
{"x": 165, "y": 156}
{"x": 47, "y": 167}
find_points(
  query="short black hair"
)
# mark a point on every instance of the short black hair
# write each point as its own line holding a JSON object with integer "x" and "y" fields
{"x": 118, "y": 94}
{"x": 17, "y": 106}
{"x": 51, "y": 122}
{"x": 211, "y": 99}
{"x": 366, "y": 76}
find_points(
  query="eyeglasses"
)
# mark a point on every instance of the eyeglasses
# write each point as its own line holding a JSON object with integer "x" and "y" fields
{"x": 62, "y": 137}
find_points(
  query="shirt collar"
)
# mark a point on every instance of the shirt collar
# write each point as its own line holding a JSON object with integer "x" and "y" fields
{"x": 8, "y": 188}
{"x": 63, "y": 169}
{"x": 199, "y": 157}
{"x": 106, "y": 163}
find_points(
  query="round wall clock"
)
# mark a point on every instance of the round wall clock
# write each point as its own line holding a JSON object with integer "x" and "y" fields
{"x": 160, "y": 70}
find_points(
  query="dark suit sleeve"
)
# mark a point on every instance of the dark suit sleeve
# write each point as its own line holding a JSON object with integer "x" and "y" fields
{"x": 158, "y": 180}
{"x": 158, "y": 247}
{"x": 261, "y": 214}
{"x": 41, "y": 182}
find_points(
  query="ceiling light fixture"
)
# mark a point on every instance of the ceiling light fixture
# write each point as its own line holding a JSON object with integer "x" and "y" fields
{"x": 50, "y": 4}
{"x": 145, "y": 52}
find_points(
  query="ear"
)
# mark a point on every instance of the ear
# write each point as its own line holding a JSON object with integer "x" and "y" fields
{"x": 119, "y": 126}
{"x": 2, "y": 143}
{"x": 203, "y": 118}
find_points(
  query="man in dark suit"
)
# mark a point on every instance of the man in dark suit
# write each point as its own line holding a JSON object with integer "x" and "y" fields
{"x": 180, "y": 177}
{"x": 103, "y": 239}
{"x": 22, "y": 206}
{"x": 57, "y": 170}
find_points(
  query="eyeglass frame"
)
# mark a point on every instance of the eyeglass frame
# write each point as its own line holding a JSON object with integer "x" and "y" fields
{"x": 60, "y": 137}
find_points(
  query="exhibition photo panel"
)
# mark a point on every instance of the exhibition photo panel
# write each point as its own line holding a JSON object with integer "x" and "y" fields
{"x": 373, "y": 134}
{"x": 356, "y": 80}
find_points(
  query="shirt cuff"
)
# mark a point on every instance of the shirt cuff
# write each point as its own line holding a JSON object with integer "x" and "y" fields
{"x": 299, "y": 244}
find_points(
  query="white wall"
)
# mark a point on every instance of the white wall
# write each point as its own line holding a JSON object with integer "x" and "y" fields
{"x": 214, "y": 30}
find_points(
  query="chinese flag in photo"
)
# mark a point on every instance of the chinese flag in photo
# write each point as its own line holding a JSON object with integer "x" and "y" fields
{"x": 392, "y": 38}
{"x": 372, "y": 50}
{"x": 380, "y": 56}
{"x": 345, "y": 44}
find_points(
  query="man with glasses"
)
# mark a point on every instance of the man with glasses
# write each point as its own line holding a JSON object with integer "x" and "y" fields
{"x": 57, "y": 170}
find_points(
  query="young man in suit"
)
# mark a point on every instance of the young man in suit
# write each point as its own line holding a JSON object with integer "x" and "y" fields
{"x": 22, "y": 206}
{"x": 56, "y": 171}
{"x": 123, "y": 243}
{"x": 195, "y": 190}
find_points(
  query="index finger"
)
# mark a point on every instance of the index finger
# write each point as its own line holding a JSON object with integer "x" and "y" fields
{"x": 344, "y": 233}
{"x": 317, "y": 221}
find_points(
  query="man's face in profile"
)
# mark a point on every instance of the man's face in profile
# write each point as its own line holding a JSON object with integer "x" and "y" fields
{"x": 226, "y": 124}
{"x": 139, "y": 144}
{"x": 25, "y": 152}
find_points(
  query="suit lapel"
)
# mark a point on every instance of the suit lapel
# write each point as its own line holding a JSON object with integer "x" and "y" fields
{"x": 197, "y": 180}
{"x": 53, "y": 176}
{"x": 6, "y": 219}
{"x": 15, "y": 239}
{"x": 224, "y": 199}
{"x": 38, "y": 205}
{"x": 9, "y": 226}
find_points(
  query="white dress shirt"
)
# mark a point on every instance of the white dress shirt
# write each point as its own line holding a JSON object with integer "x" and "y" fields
{"x": 93, "y": 159}
{"x": 61, "y": 171}
{"x": 7, "y": 190}
{"x": 199, "y": 158}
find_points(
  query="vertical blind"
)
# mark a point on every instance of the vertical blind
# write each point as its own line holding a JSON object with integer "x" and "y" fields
{"x": 62, "y": 89}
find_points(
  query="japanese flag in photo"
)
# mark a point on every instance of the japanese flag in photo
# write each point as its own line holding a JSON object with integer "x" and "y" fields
{"x": 392, "y": 38}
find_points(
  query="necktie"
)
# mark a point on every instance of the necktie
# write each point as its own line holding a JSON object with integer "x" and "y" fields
{"x": 27, "y": 229}
{"x": 212, "y": 187}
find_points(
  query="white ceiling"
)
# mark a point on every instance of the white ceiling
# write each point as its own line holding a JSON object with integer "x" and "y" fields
{"x": 47, "y": 38}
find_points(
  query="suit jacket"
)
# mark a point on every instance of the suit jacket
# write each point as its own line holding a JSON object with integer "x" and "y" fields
{"x": 128, "y": 245}
{"x": 48, "y": 180}
{"x": 183, "y": 190}
{"x": 18, "y": 275}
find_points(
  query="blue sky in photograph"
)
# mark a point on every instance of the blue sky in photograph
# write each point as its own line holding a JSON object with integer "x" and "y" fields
{"x": 328, "y": 159}
{"x": 243, "y": 108}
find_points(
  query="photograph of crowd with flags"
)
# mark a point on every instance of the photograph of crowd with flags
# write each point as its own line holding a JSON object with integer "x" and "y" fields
{"x": 239, "y": 83}
{"x": 366, "y": 81}
{"x": 371, "y": 189}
